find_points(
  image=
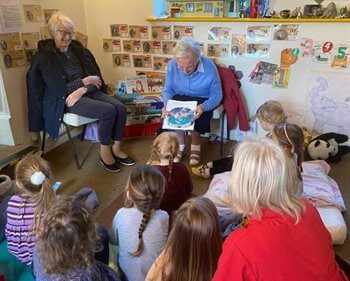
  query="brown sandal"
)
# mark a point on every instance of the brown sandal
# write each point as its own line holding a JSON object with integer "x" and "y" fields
{"x": 195, "y": 157}
{"x": 179, "y": 156}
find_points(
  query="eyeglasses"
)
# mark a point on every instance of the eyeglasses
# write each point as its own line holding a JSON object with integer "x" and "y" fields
{"x": 64, "y": 33}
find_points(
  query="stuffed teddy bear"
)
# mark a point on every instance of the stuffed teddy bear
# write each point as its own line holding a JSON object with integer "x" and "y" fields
{"x": 327, "y": 147}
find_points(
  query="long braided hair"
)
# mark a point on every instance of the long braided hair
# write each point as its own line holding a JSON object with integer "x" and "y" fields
{"x": 165, "y": 146}
{"x": 144, "y": 191}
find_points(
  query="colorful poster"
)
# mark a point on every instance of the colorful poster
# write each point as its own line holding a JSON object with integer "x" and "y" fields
{"x": 82, "y": 38}
{"x": 30, "y": 40}
{"x": 33, "y": 13}
{"x": 133, "y": 46}
{"x": 288, "y": 32}
{"x": 181, "y": 31}
{"x": 238, "y": 45}
{"x": 263, "y": 73}
{"x": 138, "y": 31}
{"x": 162, "y": 32}
{"x": 219, "y": 33}
{"x": 218, "y": 50}
{"x": 167, "y": 47}
{"x": 160, "y": 63}
{"x": 341, "y": 56}
{"x": 258, "y": 50}
{"x": 112, "y": 45}
{"x": 119, "y": 30}
{"x": 48, "y": 13}
{"x": 152, "y": 47}
{"x": 121, "y": 60}
{"x": 280, "y": 78}
{"x": 258, "y": 33}
{"x": 306, "y": 47}
{"x": 322, "y": 51}
{"x": 143, "y": 61}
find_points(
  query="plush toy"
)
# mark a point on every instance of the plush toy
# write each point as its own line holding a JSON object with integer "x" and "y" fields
{"x": 327, "y": 147}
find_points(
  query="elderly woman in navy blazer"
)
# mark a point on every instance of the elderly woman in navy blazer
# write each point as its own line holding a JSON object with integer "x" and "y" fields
{"x": 64, "y": 77}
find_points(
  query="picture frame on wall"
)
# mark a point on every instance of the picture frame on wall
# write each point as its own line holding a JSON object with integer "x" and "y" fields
{"x": 208, "y": 7}
{"x": 190, "y": 8}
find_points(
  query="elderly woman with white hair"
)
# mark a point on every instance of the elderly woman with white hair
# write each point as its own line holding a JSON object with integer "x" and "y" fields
{"x": 192, "y": 77}
{"x": 284, "y": 238}
{"x": 64, "y": 77}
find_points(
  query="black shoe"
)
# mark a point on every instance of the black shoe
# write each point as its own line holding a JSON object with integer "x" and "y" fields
{"x": 114, "y": 168}
{"x": 127, "y": 161}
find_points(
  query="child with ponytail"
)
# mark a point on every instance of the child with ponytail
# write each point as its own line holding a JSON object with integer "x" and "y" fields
{"x": 25, "y": 210}
{"x": 178, "y": 182}
{"x": 140, "y": 228}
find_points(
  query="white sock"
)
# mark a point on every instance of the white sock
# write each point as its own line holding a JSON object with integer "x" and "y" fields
{"x": 196, "y": 147}
{"x": 182, "y": 147}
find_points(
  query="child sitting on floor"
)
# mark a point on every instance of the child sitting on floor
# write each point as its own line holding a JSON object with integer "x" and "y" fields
{"x": 66, "y": 243}
{"x": 140, "y": 228}
{"x": 178, "y": 182}
{"x": 269, "y": 114}
{"x": 194, "y": 244}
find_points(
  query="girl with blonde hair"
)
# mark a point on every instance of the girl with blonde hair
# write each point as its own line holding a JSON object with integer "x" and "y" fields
{"x": 178, "y": 182}
{"x": 193, "y": 246}
{"x": 269, "y": 114}
{"x": 66, "y": 243}
{"x": 284, "y": 233}
{"x": 25, "y": 210}
{"x": 140, "y": 228}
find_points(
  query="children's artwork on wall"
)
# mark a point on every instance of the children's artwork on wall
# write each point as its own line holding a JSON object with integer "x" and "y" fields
{"x": 160, "y": 63}
{"x": 306, "y": 47}
{"x": 121, "y": 60}
{"x": 341, "y": 56}
{"x": 143, "y": 61}
{"x": 162, "y": 32}
{"x": 133, "y": 46}
{"x": 139, "y": 31}
{"x": 152, "y": 47}
{"x": 167, "y": 47}
{"x": 322, "y": 51}
{"x": 262, "y": 73}
{"x": 48, "y": 13}
{"x": 258, "y": 50}
{"x": 44, "y": 32}
{"x": 183, "y": 30}
{"x": 119, "y": 30}
{"x": 10, "y": 42}
{"x": 219, "y": 33}
{"x": 289, "y": 32}
{"x": 112, "y": 45}
{"x": 280, "y": 78}
{"x": 82, "y": 38}
{"x": 156, "y": 80}
{"x": 30, "y": 40}
{"x": 33, "y": 13}
{"x": 329, "y": 107}
{"x": 238, "y": 45}
{"x": 259, "y": 33}
{"x": 218, "y": 50}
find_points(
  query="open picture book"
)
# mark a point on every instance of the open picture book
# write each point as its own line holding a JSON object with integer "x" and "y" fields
{"x": 180, "y": 115}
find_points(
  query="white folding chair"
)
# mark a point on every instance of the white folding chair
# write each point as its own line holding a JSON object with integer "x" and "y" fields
{"x": 74, "y": 120}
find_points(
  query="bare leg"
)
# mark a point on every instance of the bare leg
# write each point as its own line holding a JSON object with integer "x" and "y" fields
{"x": 116, "y": 148}
{"x": 181, "y": 137}
{"x": 106, "y": 154}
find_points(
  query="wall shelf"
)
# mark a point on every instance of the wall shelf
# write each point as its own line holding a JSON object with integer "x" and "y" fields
{"x": 262, "y": 20}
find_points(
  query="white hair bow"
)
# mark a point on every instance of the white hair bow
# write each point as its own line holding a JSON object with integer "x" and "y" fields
{"x": 37, "y": 178}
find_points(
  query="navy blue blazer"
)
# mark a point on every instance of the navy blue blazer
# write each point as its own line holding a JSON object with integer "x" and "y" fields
{"x": 46, "y": 85}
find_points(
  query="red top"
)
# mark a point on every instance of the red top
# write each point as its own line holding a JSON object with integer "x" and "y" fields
{"x": 177, "y": 189}
{"x": 275, "y": 249}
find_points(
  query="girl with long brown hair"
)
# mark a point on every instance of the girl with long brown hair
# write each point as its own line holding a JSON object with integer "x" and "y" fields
{"x": 25, "y": 210}
{"x": 178, "y": 182}
{"x": 140, "y": 228}
{"x": 194, "y": 244}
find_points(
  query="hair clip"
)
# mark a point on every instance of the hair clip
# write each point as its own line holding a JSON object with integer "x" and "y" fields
{"x": 37, "y": 178}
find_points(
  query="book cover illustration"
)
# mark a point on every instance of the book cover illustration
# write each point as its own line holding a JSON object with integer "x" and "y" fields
{"x": 136, "y": 84}
{"x": 180, "y": 115}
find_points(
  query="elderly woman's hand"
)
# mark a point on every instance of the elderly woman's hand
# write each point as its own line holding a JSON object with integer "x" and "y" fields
{"x": 92, "y": 80}
{"x": 164, "y": 112}
{"x": 75, "y": 96}
{"x": 198, "y": 111}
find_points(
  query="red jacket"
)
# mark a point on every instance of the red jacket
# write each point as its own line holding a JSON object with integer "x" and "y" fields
{"x": 276, "y": 249}
{"x": 232, "y": 99}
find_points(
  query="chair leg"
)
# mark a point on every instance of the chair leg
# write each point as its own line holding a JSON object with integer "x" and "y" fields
{"x": 222, "y": 134}
{"x": 43, "y": 142}
{"x": 72, "y": 146}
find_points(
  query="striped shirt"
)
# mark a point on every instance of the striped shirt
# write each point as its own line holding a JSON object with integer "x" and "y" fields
{"x": 20, "y": 215}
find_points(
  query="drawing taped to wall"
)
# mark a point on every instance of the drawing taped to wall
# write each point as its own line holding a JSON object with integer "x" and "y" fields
{"x": 329, "y": 104}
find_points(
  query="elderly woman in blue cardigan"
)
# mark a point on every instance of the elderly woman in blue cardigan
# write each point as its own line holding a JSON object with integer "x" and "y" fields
{"x": 192, "y": 77}
{"x": 64, "y": 77}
